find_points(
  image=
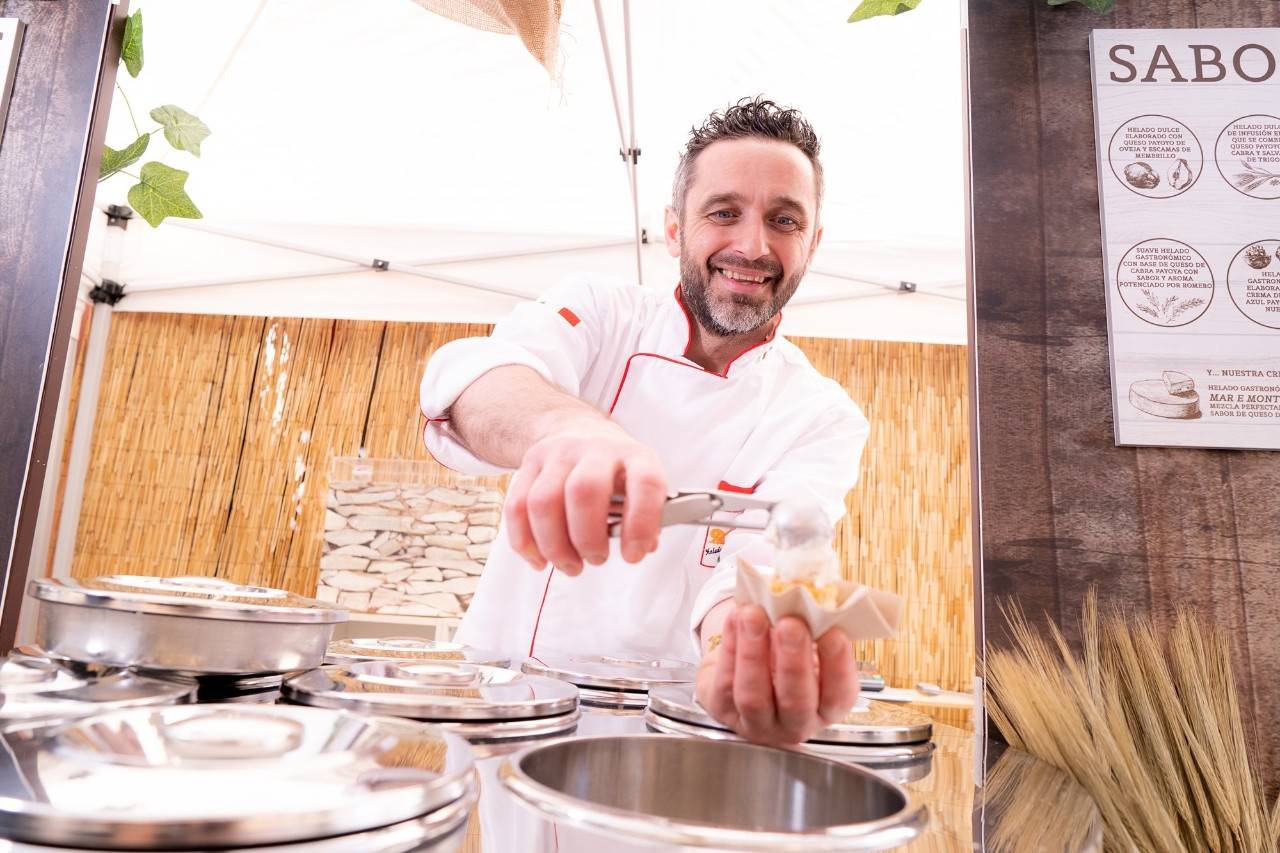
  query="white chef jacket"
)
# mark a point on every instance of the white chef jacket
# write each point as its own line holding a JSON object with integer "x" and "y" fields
{"x": 770, "y": 425}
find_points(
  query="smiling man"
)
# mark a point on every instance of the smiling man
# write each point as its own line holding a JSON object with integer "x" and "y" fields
{"x": 598, "y": 390}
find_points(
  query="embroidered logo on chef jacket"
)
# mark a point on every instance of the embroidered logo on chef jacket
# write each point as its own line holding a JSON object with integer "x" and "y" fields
{"x": 713, "y": 542}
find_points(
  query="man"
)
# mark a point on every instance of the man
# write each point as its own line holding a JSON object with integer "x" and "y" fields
{"x": 597, "y": 391}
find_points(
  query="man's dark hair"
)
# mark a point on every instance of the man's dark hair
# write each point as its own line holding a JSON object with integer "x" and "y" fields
{"x": 750, "y": 118}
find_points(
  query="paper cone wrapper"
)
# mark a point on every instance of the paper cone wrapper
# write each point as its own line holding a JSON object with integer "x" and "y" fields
{"x": 864, "y": 613}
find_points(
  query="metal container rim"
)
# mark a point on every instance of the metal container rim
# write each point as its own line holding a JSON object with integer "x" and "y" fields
{"x": 879, "y": 834}
{"x": 43, "y": 589}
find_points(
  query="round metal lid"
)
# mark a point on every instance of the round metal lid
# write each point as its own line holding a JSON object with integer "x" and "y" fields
{"x": 215, "y": 776}
{"x": 200, "y": 597}
{"x": 86, "y": 669}
{"x": 434, "y": 690}
{"x": 33, "y": 690}
{"x": 410, "y": 648}
{"x": 878, "y": 724}
{"x": 603, "y": 672}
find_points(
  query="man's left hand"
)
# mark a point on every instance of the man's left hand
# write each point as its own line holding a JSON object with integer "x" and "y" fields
{"x": 775, "y": 685}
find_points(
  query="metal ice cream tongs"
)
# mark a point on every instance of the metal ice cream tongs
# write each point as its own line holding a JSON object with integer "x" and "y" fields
{"x": 686, "y": 507}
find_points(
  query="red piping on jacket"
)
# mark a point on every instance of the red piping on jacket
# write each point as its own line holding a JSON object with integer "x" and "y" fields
{"x": 551, "y": 571}
{"x": 430, "y": 421}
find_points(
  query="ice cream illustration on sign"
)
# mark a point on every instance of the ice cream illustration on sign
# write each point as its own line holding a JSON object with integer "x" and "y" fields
{"x": 1155, "y": 156}
{"x": 1172, "y": 396}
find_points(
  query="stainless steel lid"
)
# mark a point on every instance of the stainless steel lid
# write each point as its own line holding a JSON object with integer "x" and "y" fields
{"x": 437, "y": 832}
{"x": 872, "y": 724}
{"x": 723, "y": 795}
{"x": 410, "y": 648}
{"x": 35, "y": 690}
{"x": 902, "y": 762}
{"x": 633, "y": 673}
{"x": 199, "y": 597}
{"x": 213, "y": 776}
{"x": 87, "y": 669}
{"x": 490, "y": 700}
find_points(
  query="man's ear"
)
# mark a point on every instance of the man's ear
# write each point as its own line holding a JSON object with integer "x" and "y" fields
{"x": 671, "y": 231}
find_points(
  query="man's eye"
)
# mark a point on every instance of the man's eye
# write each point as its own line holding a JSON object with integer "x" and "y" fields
{"x": 722, "y": 214}
{"x": 787, "y": 222}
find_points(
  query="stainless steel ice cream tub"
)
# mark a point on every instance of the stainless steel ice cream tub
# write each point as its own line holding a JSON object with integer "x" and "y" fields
{"x": 710, "y": 794}
{"x": 609, "y": 681}
{"x": 486, "y": 705}
{"x": 36, "y": 691}
{"x": 875, "y": 734}
{"x": 193, "y": 625}
{"x": 217, "y": 776}
{"x": 411, "y": 648}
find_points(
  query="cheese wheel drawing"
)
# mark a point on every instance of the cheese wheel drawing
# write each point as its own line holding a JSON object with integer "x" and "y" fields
{"x": 1151, "y": 396}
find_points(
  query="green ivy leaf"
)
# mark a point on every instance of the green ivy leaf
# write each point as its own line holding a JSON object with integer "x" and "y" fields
{"x": 183, "y": 130}
{"x": 1095, "y": 5}
{"x": 131, "y": 50}
{"x": 875, "y": 8}
{"x": 162, "y": 193}
{"x": 113, "y": 160}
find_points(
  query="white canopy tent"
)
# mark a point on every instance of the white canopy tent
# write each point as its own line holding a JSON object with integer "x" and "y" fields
{"x": 382, "y": 162}
{"x": 395, "y": 134}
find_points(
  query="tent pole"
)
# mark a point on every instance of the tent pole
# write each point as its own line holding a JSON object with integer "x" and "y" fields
{"x": 633, "y": 161}
{"x": 630, "y": 153}
{"x": 106, "y": 293}
{"x": 64, "y": 548}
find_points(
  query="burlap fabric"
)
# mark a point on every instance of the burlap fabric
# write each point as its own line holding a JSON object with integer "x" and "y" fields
{"x": 537, "y": 22}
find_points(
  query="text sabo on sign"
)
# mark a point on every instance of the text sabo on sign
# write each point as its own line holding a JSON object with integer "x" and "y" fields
{"x": 1206, "y": 59}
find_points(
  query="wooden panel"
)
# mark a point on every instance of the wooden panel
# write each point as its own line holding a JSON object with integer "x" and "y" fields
{"x": 1062, "y": 507}
{"x": 52, "y": 146}
{"x": 214, "y": 437}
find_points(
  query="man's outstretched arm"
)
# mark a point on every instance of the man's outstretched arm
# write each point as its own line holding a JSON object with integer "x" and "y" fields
{"x": 570, "y": 460}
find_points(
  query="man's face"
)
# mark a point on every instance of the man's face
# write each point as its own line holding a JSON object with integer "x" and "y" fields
{"x": 747, "y": 233}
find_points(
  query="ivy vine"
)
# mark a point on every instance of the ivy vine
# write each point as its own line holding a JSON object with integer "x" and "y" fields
{"x": 161, "y": 190}
{"x": 876, "y": 8}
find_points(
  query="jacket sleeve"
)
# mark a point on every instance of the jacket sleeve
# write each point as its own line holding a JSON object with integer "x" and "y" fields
{"x": 822, "y": 466}
{"x": 557, "y": 336}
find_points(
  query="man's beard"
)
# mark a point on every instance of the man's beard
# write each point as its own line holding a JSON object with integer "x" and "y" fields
{"x": 725, "y": 315}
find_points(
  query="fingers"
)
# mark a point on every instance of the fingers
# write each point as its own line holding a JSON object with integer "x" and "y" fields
{"x": 752, "y": 678}
{"x": 838, "y": 680}
{"x": 777, "y": 686}
{"x": 547, "y": 517}
{"x": 795, "y": 680}
{"x": 645, "y": 488}
{"x": 715, "y": 677}
{"x": 558, "y": 504}
{"x": 515, "y": 512}
{"x": 587, "y": 491}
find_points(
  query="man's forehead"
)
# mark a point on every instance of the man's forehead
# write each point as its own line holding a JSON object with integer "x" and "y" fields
{"x": 750, "y": 168}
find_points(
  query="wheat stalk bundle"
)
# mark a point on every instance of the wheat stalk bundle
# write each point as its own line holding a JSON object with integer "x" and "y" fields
{"x": 1147, "y": 721}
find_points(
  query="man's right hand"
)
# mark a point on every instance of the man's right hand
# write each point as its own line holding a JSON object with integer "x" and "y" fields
{"x": 557, "y": 507}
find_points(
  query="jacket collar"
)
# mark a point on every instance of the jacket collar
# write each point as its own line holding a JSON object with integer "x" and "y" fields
{"x": 680, "y": 337}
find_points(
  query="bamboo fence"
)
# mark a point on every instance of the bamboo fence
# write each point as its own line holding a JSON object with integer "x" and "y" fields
{"x": 214, "y": 436}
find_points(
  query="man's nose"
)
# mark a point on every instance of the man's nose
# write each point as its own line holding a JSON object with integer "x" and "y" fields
{"x": 751, "y": 238}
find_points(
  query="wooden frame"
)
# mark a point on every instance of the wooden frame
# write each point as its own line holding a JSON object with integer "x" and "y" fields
{"x": 48, "y": 170}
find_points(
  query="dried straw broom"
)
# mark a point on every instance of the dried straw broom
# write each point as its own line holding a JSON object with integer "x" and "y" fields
{"x": 1147, "y": 721}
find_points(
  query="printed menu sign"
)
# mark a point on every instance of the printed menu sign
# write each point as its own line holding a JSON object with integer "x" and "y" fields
{"x": 1188, "y": 140}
